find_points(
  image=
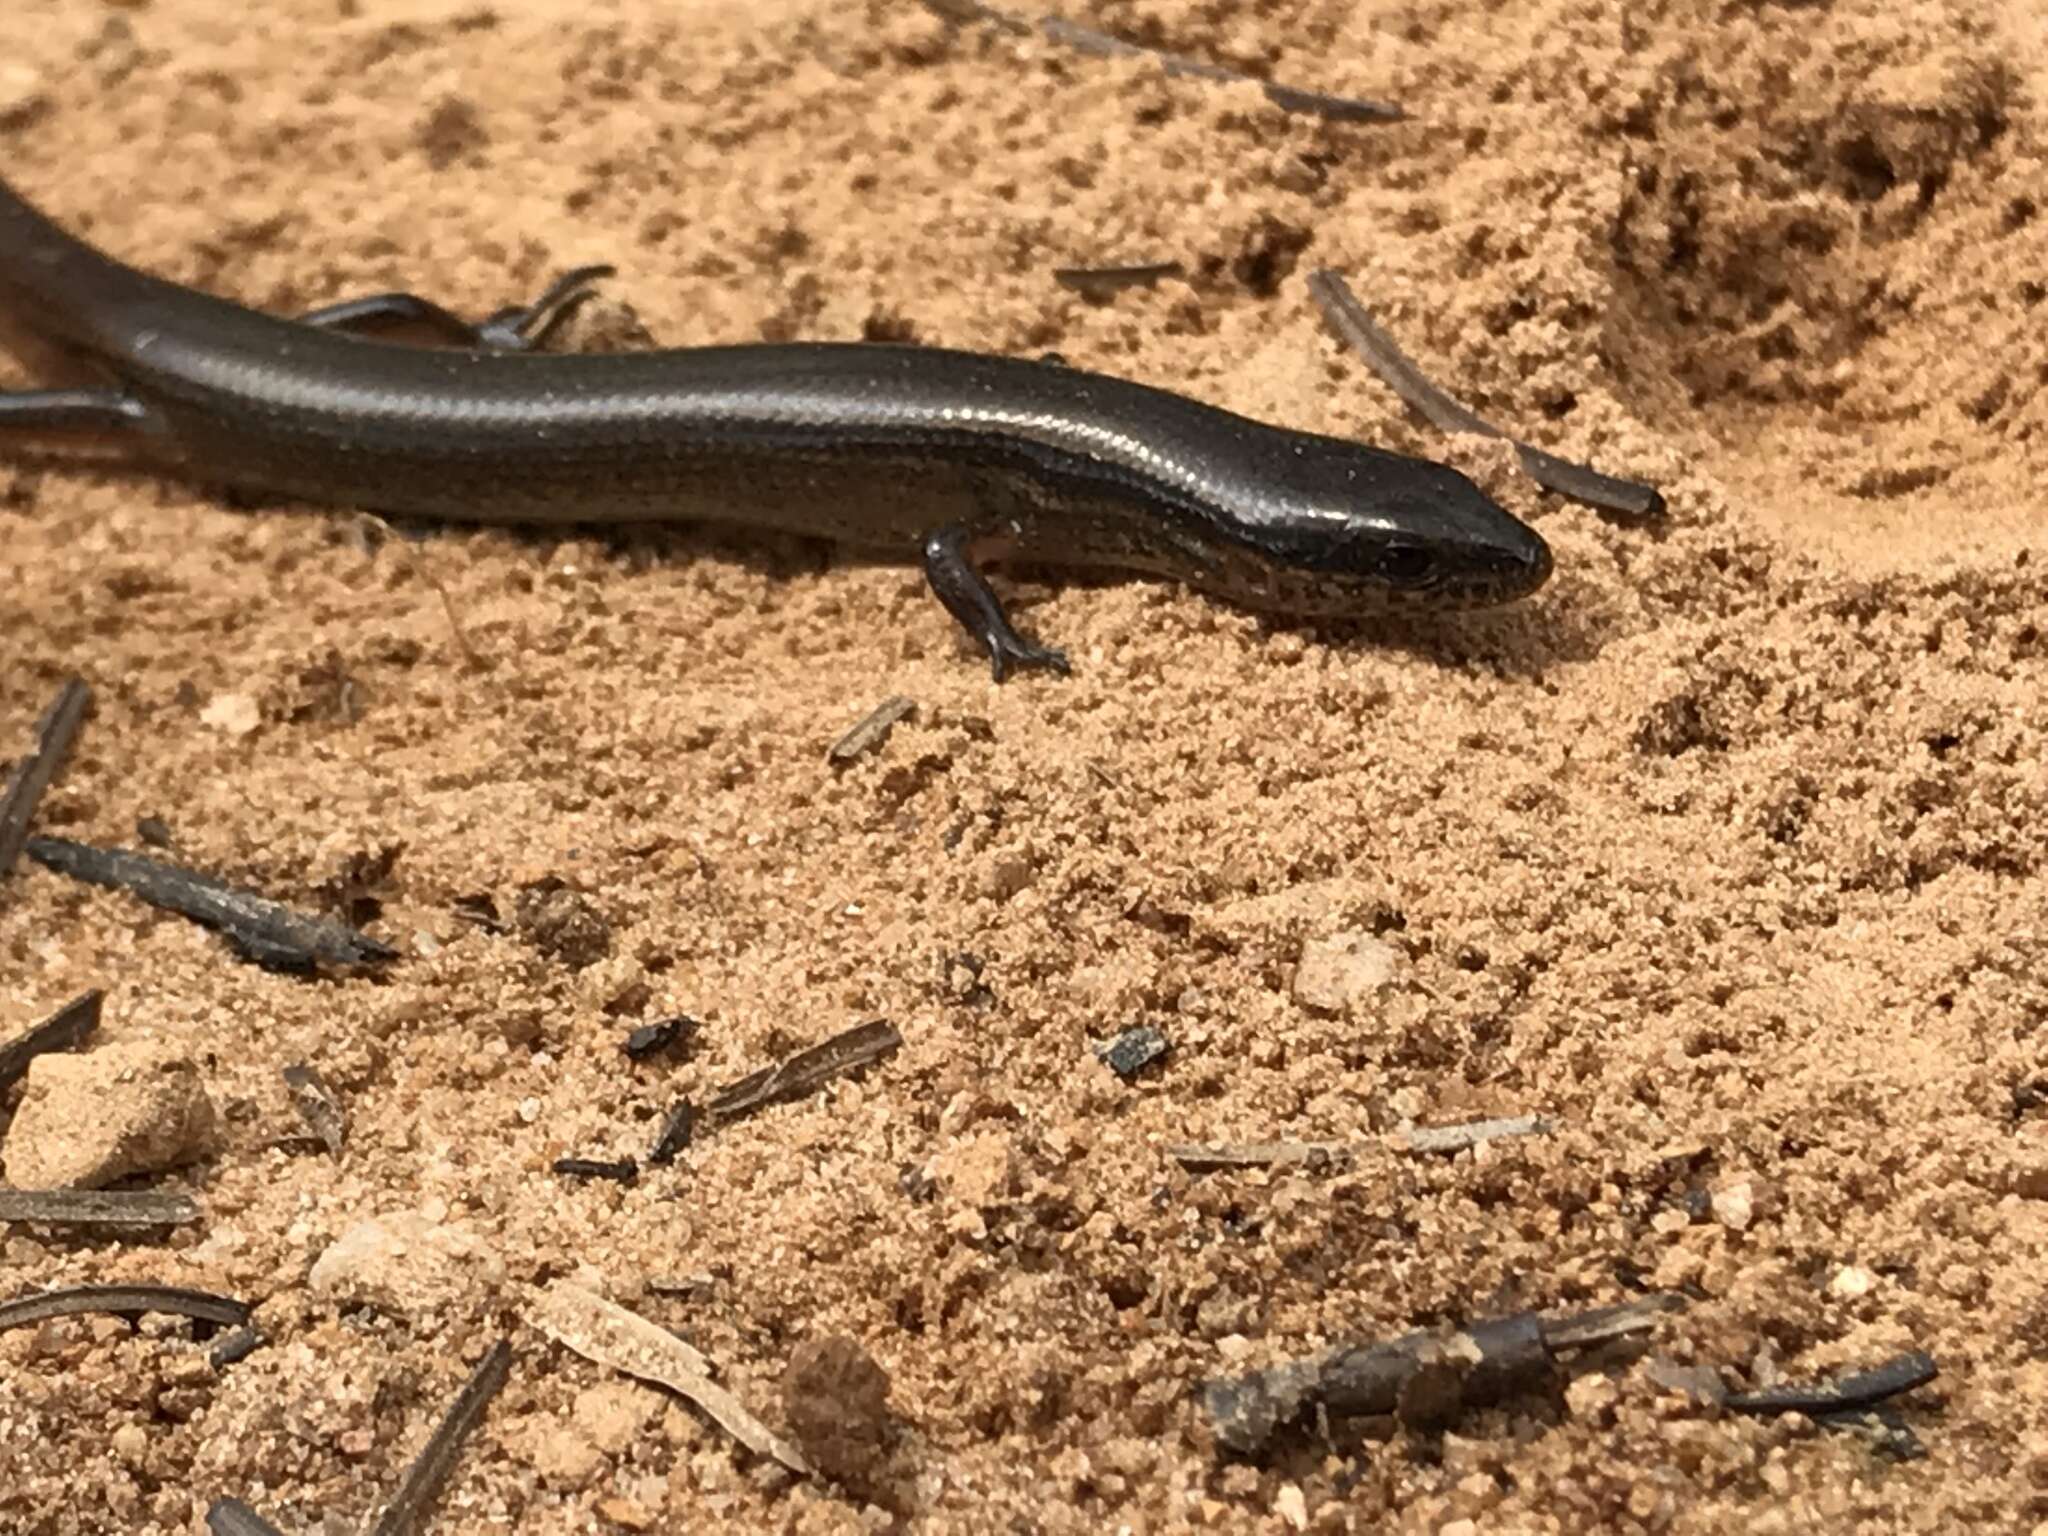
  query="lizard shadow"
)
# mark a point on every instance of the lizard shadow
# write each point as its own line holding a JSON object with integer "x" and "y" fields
{"x": 1571, "y": 620}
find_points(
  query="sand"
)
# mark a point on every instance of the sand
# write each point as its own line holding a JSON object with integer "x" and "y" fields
{"x": 1725, "y": 853}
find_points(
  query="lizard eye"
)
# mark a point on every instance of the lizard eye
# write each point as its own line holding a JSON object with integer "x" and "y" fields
{"x": 1404, "y": 565}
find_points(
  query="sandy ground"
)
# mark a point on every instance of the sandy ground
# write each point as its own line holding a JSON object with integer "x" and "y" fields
{"x": 1725, "y": 853}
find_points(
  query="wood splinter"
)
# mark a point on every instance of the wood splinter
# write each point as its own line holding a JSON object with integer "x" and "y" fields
{"x": 1425, "y": 1380}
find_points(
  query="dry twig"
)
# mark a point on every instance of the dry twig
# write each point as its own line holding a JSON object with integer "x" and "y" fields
{"x": 1350, "y": 319}
{"x": 422, "y": 1482}
{"x": 1426, "y": 1380}
{"x": 266, "y": 931}
{"x": 32, "y": 775}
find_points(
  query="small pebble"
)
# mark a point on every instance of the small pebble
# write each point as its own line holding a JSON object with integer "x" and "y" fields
{"x": 88, "y": 1120}
{"x": 1344, "y": 971}
{"x": 1132, "y": 1051}
{"x": 406, "y": 1263}
{"x": 837, "y": 1402}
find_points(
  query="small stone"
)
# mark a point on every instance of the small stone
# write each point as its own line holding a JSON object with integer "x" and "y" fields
{"x": 1734, "y": 1205}
{"x": 1851, "y": 1282}
{"x": 1131, "y": 1052}
{"x": 979, "y": 1172}
{"x": 1006, "y": 877}
{"x": 405, "y": 1263}
{"x": 1235, "y": 1349}
{"x": 88, "y": 1120}
{"x": 232, "y": 714}
{"x": 562, "y": 924}
{"x": 628, "y": 1513}
{"x": 836, "y": 1399}
{"x": 1344, "y": 972}
{"x": 1592, "y": 1398}
{"x": 1291, "y": 1505}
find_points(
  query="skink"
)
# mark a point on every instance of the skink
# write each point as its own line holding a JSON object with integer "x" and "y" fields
{"x": 956, "y": 458}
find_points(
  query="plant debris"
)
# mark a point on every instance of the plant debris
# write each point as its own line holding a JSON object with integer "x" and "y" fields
{"x": 265, "y": 931}
{"x": 652, "y": 1039}
{"x": 676, "y": 1129}
{"x": 317, "y": 1106}
{"x": 612, "y": 1336}
{"x": 1354, "y": 323}
{"x": 1131, "y": 1052}
{"x": 849, "y": 1051}
{"x": 872, "y": 729}
{"x": 623, "y": 1171}
{"x": 1212, "y": 1157}
{"x": 231, "y": 1517}
{"x": 422, "y": 1482}
{"x": 234, "y": 1347}
{"x": 97, "y": 1208}
{"x": 55, "y": 731}
{"x": 1101, "y": 282}
{"x": 121, "y": 1299}
{"x": 65, "y": 1030}
{"x": 480, "y": 910}
{"x": 1458, "y": 1138}
{"x": 1425, "y": 1380}
{"x": 1340, "y": 109}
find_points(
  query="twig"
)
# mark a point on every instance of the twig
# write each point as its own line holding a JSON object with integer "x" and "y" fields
{"x": 1457, "y": 1138}
{"x": 872, "y": 729}
{"x": 231, "y": 1517}
{"x": 422, "y": 1482}
{"x": 1848, "y": 1394}
{"x": 1212, "y": 1157}
{"x": 204, "y": 1305}
{"x": 622, "y": 1171}
{"x": 1215, "y": 1157}
{"x": 1426, "y": 1380}
{"x": 65, "y": 1030}
{"x": 1350, "y": 319}
{"x": 1099, "y": 282}
{"x": 861, "y": 1046}
{"x": 54, "y": 733}
{"x": 317, "y": 1106}
{"x": 232, "y": 1348}
{"x": 266, "y": 931}
{"x": 676, "y": 1128}
{"x": 612, "y": 1336}
{"x": 1339, "y": 109}
{"x": 97, "y": 1208}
